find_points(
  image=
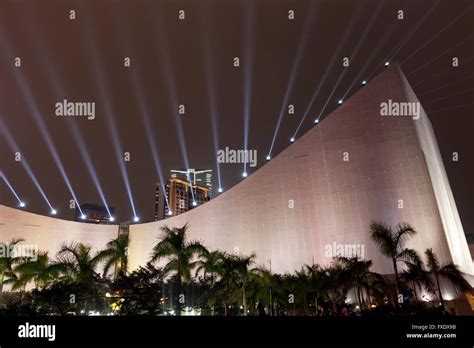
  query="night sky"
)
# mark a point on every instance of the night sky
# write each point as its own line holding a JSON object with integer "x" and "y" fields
{"x": 176, "y": 61}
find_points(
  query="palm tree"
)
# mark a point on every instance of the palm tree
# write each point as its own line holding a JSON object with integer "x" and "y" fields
{"x": 7, "y": 261}
{"x": 33, "y": 269}
{"x": 392, "y": 244}
{"x": 417, "y": 277}
{"x": 180, "y": 253}
{"x": 268, "y": 285}
{"x": 116, "y": 255}
{"x": 448, "y": 271}
{"x": 211, "y": 263}
{"x": 225, "y": 288}
{"x": 317, "y": 279}
{"x": 359, "y": 271}
{"x": 76, "y": 264}
{"x": 340, "y": 282}
{"x": 375, "y": 286}
{"x": 301, "y": 285}
{"x": 241, "y": 266}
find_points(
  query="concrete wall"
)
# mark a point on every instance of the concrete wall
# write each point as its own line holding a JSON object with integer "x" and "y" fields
{"x": 48, "y": 233}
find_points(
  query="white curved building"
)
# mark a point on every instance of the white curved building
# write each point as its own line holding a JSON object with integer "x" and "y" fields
{"x": 321, "y": 192}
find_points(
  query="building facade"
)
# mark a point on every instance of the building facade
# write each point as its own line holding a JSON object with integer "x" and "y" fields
{"x": 183, "y": 196}
{"x": 178, "y": 196}
{"x": 161, "y": 201}
{"x": 94, "y": 213}
{"x": 321, "y": 193}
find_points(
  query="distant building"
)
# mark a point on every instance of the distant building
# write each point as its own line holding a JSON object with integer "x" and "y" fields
{"x": 178, "y": 196}
{"x": 200, "y": 177}
{"x": 94, "y": 213}
{"x": 160, "y": 201}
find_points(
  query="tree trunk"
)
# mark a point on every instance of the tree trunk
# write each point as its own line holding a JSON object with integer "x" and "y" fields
{"x": 397, "y": 285}
{"x": 244, "y": 299}
{"x": 271, "y": 302}
{"x": 180, "y": 292}
{"x": 439, "y": 291}
{"x": 358, "y": 296}
{"x": 1, "y": 281}
{"x": 369, "y": 300}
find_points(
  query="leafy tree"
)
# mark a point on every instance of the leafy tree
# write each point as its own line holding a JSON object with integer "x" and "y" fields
{"x": 141, "y": 292}
{"x": 75, "y": 264}
{"x": 417, "y": 277}
{"x": 115, "y": 255}
{"x": 392, "y": 244}
{"x": 180, "y": 253}
{"x": 7, "y": 262}
{"x": 448, "y": 271}
{"x": 268, "y": 287}
{"x": 33, "y": 269}
{"x": 242, "y": 274}
{"x": 211, "y": 263}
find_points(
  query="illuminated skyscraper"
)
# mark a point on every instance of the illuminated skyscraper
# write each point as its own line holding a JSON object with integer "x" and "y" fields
{"x": 200, "y": 177}
{"x": 160, "y": 202}
{"x": 178, "y": 197}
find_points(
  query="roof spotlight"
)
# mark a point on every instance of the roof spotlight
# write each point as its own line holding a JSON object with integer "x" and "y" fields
{"x": 316, "y": 121}
{"x": 244, "y": 174}
{"x": 292, "y": 139}
{"x": 364, "y": 83}
{"x": 111, "y": 219}
{"x": 22, "y": 205}
{"x": 170, "y": 212}
{"x": 54, "y": 211}
{"x": 268, "y": 158}
{"x": 220, "y": 189}
{"x": 339, "y": 101}
{"x": 83, "y": 217}
{"x": 136, "y": 219}
{"x": 387, "y": 63}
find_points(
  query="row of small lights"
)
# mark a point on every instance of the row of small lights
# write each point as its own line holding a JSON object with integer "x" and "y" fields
{"x": 316, "y": 121}
{"x": 83, "y": 216}
{"x": 111, "y": 218}
{"x": 339, "y": 102}
{"x": 220, "y": 190}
